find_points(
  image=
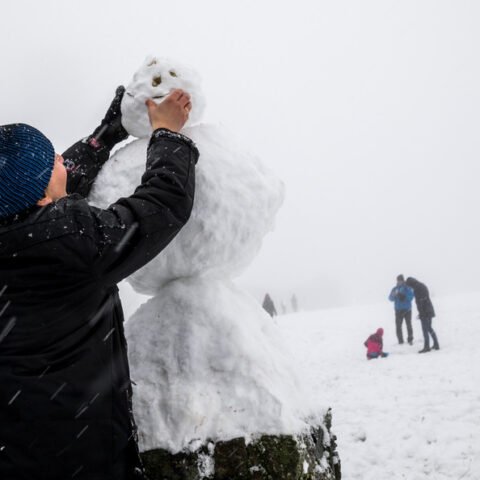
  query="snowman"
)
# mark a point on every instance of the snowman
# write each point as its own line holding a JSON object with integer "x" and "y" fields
{"x": 207, "y": 361}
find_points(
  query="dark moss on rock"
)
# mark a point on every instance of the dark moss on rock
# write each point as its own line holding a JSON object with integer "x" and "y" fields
{"x": 310, "y": 456}
{"x": 161, "y": 465}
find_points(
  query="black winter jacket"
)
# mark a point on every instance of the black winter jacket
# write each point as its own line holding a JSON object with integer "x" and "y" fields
{"x": 65, "y": 393}
{"x": 422, "y": 298}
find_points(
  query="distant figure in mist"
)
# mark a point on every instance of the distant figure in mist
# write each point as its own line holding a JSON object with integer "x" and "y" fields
{"x": 374, "y": 344}
{"x": 294, "y": 303}
{"x": 402, "y": 296}
{"x": 269, "y": 306}
{"x": 284, "y": 308}
{"x": 425, "y": 313}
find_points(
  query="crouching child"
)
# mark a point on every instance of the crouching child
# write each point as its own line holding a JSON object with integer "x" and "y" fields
{"x": 374, "y": 344}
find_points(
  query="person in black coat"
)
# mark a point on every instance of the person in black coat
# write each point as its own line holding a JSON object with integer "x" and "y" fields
{"x": 269, "y": 306}
{"x": 65, "y": 396}
{"x": 425, "y": 313}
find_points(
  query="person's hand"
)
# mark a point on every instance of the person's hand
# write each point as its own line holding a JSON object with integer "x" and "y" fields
{"x": 172, "y": 113}
{"x": 111, "y": 131}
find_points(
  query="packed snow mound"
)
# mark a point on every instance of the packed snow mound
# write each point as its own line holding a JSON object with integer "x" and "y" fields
{"x": 209, "y": 364}
{"x": 155, "y": 79}
{"x": 236, "y": 199}
{"x": 207, "y": 359}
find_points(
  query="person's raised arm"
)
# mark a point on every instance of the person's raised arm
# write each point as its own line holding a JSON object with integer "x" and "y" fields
{"x": 135, "y": 229}
{"x": 393, "y": 294}
{"x": 84, "y": 159}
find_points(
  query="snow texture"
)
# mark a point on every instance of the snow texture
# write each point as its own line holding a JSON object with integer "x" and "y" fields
{"x": 208, "y": 362}
{"x": 155, "y": 79}
{"x": 236, "y": 199}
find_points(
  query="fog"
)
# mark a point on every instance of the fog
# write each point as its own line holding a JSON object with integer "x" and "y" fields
{"x": 368, "y": 111}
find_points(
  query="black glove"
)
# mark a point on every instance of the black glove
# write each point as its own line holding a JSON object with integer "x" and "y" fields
{"x": 111, "y": 131}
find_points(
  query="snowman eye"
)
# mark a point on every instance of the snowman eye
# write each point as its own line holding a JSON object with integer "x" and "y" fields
{"x": 156, "y": 81}
{"x": 173, "y": 73}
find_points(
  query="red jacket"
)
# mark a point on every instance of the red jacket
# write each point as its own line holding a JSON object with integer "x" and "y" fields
{"x": 374, "y": 342}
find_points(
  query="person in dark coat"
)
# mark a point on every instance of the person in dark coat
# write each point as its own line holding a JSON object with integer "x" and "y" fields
{"x": 425, "y": 313}
{"x": 294, "y": 301}
{"x": 269, "y": 306}
{"x": 65, "y": 396}
{"x": 402, "y": 296}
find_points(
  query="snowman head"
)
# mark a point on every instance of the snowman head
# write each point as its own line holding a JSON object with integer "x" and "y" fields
{"x": 155, "y": 79}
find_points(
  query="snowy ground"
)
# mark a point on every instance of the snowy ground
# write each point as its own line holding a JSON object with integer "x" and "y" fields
{"x": 408, "y": 416}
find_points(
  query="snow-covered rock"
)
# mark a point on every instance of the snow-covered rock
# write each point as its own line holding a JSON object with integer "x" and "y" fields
{"x": 310, "y": 456}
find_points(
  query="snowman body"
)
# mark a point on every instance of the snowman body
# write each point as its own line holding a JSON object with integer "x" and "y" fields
{"x": 207, "y": 361}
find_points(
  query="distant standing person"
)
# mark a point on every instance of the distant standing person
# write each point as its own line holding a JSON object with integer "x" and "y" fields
{"x": 269, "y": 306}
{"x": 402, "y": 296}
{"x": 294, "y": 303}
{"x": 425, "y": 313}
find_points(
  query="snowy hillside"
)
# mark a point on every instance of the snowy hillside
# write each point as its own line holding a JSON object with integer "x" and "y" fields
{"x": 408, "y": 416}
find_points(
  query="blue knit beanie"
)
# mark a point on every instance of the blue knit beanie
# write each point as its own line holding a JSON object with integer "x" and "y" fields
{"x": 26, "y": 163}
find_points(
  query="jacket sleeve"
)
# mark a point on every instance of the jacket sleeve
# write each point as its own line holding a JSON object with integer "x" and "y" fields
{"x": 83, "y": 162}
{"x": 409, "y": 293}
{"x": 419, "y": 299}
{"x": 424, "y": 304}
{"x": 133, "y": 230}
{"x": 392, "y": 295}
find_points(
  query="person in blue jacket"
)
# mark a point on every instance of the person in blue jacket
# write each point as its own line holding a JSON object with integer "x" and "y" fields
{"x": 402, "y": 296}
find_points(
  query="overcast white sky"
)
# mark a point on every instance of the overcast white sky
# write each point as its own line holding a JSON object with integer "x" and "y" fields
{"x": 368, "y": 110}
